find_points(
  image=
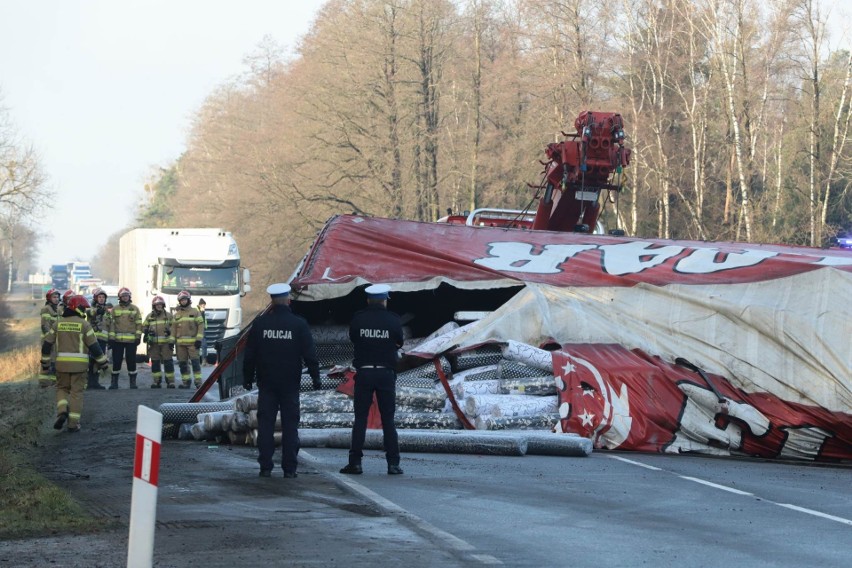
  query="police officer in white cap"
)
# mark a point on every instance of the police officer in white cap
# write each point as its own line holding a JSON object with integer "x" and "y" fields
{"x": 377, "y": 336}
{"x": 277, "y": 343}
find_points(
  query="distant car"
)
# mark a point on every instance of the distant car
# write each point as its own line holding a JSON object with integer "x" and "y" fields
{"x": 842, "y": 240}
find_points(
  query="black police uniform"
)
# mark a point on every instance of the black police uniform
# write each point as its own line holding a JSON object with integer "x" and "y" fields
{"x": 277, "y": 343}
{"x": 377, "y": 335}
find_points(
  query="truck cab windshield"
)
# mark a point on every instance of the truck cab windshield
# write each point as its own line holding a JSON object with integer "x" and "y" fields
{"x": 209, "y": 281}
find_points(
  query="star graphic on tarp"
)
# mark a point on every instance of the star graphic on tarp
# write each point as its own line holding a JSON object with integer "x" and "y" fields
{"x": 588, "y": 390}
{"x": 586, "y": 417}
{"x": 568, "y": 367}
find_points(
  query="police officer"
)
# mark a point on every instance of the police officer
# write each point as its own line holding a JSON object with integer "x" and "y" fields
{"x": 377, "y": 336}
{"x": 277, "y": 343}
{"x": 74, "y": 341}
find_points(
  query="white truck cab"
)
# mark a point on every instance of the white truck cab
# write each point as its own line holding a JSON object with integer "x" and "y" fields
{"x": 203, "y": 261}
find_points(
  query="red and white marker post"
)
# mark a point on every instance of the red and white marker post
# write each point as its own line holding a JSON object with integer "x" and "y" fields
{"x": 143, "y": 503}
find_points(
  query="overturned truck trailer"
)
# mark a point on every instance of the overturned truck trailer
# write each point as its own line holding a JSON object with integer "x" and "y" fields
{"x": 654, "y": 345}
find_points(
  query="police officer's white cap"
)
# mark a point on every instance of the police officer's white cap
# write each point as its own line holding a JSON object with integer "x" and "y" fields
{"x": 278, "y": 290}
{"x": 378, "y": 291}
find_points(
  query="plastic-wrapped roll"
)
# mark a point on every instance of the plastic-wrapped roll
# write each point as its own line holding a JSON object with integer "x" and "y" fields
{"x": 467, "y": 388}
{"x": 239, "y": 422}
{"x": 185, "y": 431}
{"x": 251, "y": 420}
{"x": 427, "y": 421}
{"x": 536, "y": 386}
{"x": 199, "y": 432}
{"x": 424, "y": 398}
{"x": 326, "y": 383}
{"x": 183, "y": 412}
{"x": 484, "y": 373}
{"x": 326, "y": 420}
{"x": 509, "y": 405}
{"x": 545, "y": 421}
{"x": 458, "y": 442}
{"x": 238, "y": 438}
{"x": 479, "y": 357}
{"x": 423, "y": 376}
{"x": 513, "y": 369}
{"x": 550, "y": 444}
{"x": 529, "y": 355}
{"x": 340, "y": 403}
{"x": 170, "y": 431}
{"x": 246, "y": 402}
{"x": 446, "y": 328}
{"x": 213, "y": 420}
{"x": 316, "y": 437}
{"x": 251, "y": 438}
{"x": 331, "y": 354}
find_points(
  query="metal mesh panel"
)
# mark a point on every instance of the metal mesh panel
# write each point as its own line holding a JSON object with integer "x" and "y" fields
{"x": 183, "y": 412}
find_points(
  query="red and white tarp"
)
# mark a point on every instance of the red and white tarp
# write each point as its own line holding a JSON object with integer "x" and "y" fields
{"x": 770, "y": 319}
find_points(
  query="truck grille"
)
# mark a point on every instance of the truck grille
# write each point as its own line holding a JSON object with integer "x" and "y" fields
{"x": 216, "y": 321}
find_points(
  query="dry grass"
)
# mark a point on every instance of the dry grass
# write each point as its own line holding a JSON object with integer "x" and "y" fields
{"x": 19, "y": 364}
{"x": 30, "y": 505}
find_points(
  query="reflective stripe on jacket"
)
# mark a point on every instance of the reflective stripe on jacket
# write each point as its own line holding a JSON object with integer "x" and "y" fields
{"x": 74, "y": 339}
{"x": 98, "y": 319}
{"x": 159, "y": 328}
{"x": 49, "y": 317}
{"x": 125, "y": 325}
{"x": 189, "y": 325}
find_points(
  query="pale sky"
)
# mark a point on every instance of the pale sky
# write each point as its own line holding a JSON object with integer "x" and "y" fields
{"x": 105, "y": 90}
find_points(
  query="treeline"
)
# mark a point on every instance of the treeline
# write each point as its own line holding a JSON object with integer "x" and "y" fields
{"x": 737, "y": 112}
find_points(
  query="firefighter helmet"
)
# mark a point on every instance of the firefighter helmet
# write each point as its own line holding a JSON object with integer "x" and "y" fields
{"x": 66, "y": 296}
{"x": 97, "y": 292}
{"x": 123, "y": 291}
{"x": 158, "y": 300}
{"x": 50, "y": 293}
{"x": 184, "y": 295}
{"x": 77, "y": 303}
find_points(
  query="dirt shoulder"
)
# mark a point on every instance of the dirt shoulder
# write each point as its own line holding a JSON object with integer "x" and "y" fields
{"x": 213, "y": 509}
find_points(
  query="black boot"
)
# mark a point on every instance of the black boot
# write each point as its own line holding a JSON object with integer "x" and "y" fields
{"x": 133, "y": 380}
{"x": 113, "y": 383}
{"x": 92, "y": 382}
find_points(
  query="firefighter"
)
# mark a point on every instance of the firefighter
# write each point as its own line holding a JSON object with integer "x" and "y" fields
{"x": 49, "y": 316}
{"x": 277, "y": 344}
{"x": 377, "y": 336}
{"x": 157, "y": 330}
{"x": 96, "y": 315}
{"x": 189, "y": 331}
{"x": 125, "y": 334}
{"x": 65, "y": 296}
{"x": 74, "y": 341}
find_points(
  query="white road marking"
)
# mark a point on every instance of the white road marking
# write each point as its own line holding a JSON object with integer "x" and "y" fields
{"x": 393, "y": 509}
{"x": 716, "y": 485}
{"x": 816, "y": 513}
{"x": 640, "y": 464}
{"x": 745, "y": 493}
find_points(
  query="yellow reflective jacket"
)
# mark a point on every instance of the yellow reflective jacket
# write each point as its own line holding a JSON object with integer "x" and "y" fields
{"x": 49, "y": 317}
{"x": 158, "y": 328}
{"x": 125, "y": 323}
{"x": 74, "y": 340}
{"x": 189, "y": 325}
{"x": 97, "y": 318}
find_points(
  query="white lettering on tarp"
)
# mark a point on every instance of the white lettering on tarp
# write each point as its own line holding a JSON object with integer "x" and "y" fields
{"x": 707, "y": 261}
{"x": 631, "y": 258}
{"x": 519, "y": 257}
{"x": 277, "y": 334}
{"x": 375, "y": 333}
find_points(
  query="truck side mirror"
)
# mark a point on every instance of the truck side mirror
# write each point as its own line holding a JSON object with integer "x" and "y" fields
{"x": 246, "y": 289}
{"x": 246, "y": 276}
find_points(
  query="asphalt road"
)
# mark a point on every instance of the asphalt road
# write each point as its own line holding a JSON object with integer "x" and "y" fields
{"x": 622, "y": 509}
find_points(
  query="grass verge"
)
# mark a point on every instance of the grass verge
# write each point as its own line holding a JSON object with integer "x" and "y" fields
{"x": 30, "y": 505}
